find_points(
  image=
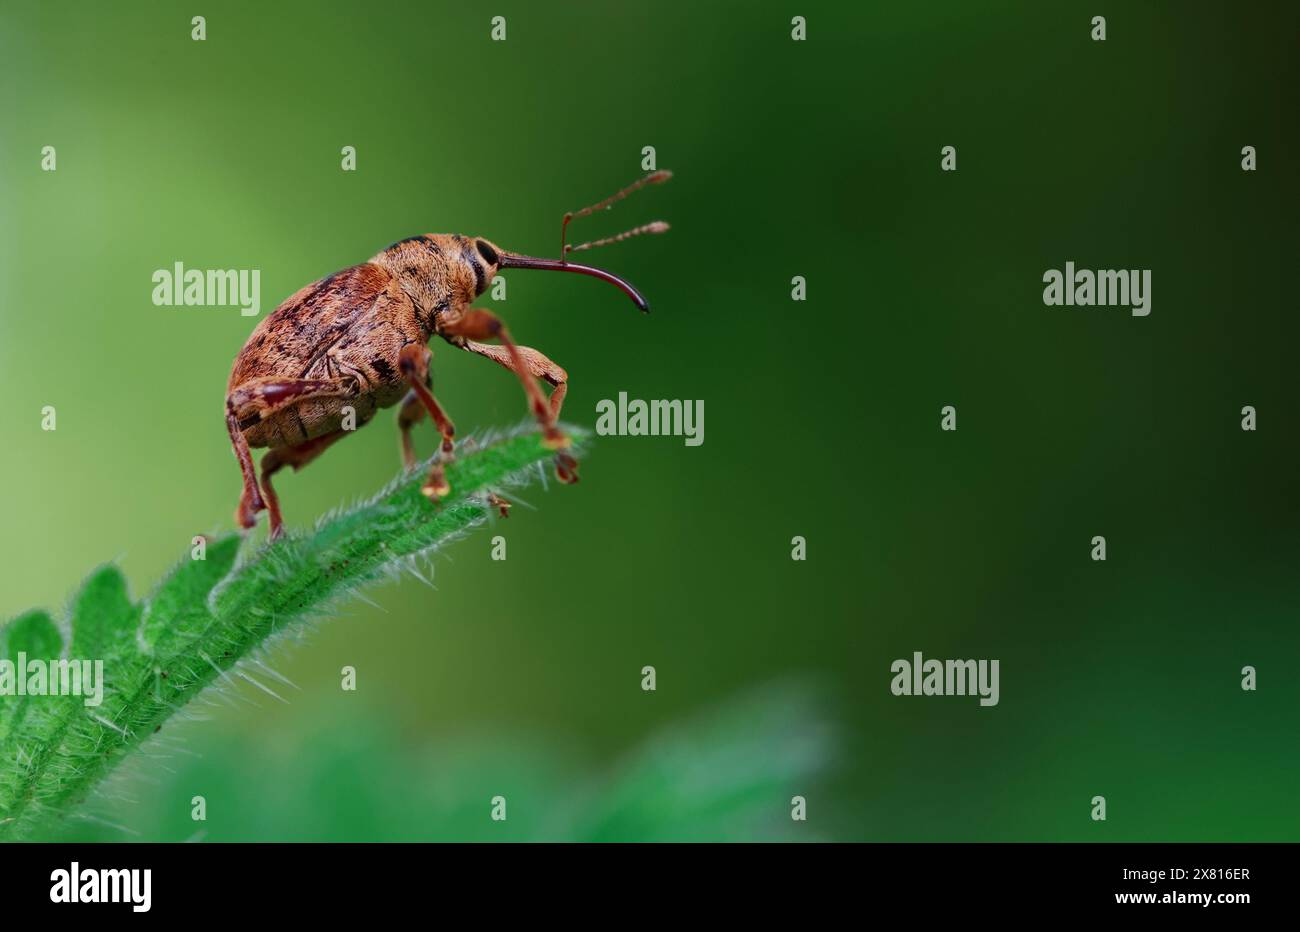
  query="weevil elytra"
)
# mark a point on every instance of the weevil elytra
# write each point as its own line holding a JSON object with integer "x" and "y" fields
{"x": 357, "y": 341}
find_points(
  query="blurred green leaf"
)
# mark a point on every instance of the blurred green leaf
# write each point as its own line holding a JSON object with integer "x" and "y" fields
{"x": 728, "y": 773}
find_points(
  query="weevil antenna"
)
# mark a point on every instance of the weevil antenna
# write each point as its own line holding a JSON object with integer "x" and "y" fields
{"x": 653, "y": 178}
{"x": 512, "y": 261}
{"x": 657, "y": 226}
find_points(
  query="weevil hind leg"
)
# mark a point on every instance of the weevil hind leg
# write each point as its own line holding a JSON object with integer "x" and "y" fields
{"x": 297, "y": 457}
{"x": 413, "y": 361}
{"x": 255, "y": 401}
{"x": 250, "y": 499}
{"x": 535, "y": 365}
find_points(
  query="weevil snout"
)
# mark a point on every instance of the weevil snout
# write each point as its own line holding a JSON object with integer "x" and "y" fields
{"x": 512, "y": 261}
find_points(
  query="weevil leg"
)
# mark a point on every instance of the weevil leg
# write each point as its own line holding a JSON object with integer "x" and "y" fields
{"x": 502, "y": 505}
{"x": 250, "y": 403}
{"x": 478, "y": 324}
{"x": 250, "y": 500}
{"x": 413, "y": 361}
{"x": 409, "y": 413}
{"x": 536, "y": 365}
{"x": 297, "y": 457}
{"x": 262, "y": 397}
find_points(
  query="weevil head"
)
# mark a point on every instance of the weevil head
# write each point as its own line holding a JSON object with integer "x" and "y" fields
{"x": 468, "y": 264}
{"x": 442, "y": 273}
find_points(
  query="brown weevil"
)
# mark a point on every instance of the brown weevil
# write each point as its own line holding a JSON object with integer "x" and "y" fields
{"x": 356, "y": 341}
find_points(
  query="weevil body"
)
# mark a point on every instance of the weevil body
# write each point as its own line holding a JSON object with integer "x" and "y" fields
{"x": 333, "y": 354}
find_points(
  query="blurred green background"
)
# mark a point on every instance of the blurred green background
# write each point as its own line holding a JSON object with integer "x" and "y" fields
{"x": 816, "y": 158}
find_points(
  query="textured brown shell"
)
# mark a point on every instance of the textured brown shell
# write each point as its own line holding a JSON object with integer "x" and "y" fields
{"x": 350, "y": 327}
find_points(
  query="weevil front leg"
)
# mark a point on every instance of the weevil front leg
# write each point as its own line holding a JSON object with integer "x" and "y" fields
{"x": 478, "y": 324}
{"x": 540, "y": 367}
{"x": 249, "y": 404}
{"x": 413, "y": 361}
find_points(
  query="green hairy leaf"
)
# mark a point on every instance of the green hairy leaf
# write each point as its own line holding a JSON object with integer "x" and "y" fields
{"x": 202, "y": 620}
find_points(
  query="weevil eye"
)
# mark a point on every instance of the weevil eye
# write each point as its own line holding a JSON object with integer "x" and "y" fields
{"x": 487, "y": 252}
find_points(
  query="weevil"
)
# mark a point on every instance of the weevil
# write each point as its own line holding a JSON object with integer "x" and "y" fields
{"x": 335, "y": 352}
